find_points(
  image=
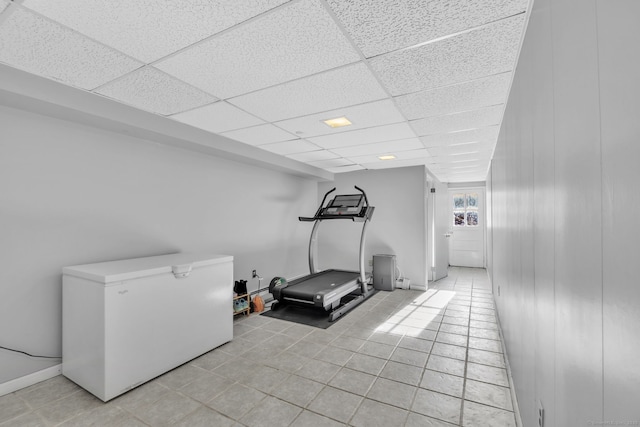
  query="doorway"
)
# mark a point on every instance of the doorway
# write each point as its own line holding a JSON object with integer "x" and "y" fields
{"x": 466, "y": 227}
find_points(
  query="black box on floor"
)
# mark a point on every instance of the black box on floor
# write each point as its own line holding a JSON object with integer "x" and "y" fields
{"x": 384, "y": 272}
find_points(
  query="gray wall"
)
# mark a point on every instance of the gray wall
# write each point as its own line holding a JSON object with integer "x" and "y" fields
{"x": 398, "y": 225}
{"x": 72, "y": 194}
{"x": 564, "y": 207}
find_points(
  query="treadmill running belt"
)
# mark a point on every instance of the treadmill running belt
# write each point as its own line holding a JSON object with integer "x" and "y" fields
{"x": 307, "y": 287}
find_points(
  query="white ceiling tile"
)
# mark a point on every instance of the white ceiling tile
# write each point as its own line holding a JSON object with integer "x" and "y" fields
{"x": 365, "y": 136}
{"x": 294, "y": 41}
{"x": 434, "y": 169}
{"x": 450, "y": 150}
{"x": 479, "y": 174}
{"x": 375, "y": 113}
{"x": 486, "y": 51}
{"x": 150, "y": 29}
{"x": 453, "y": 179}
{"x": 443, "y": 163}
{"x": 290, "y": 147}
{"x": 218, "y": 117}
{"x": 412, "y": 154}
{"x": 379, "y": 27}
{"x": 478, "y": 167}
{"x": 350, "y": 85}
{"x": 446, "y": 166}
{"x": 466, "y": 158}
{"x": 312, "y": 156}
{"x": 346, "y": 168}
{"x": 331, "y": 163}
{"x": 369, "y": 158}
{"x": 487, "y": 134}
{"x": 459, "y": 121}
{"x": 380, "y": 147}
{"x": 439, "y": 151}
{"x": 42, "y": 47}
{"x": 402, "y": 155}
{"x": 453, "y": 99}
{"x": 476, "y": 177}
{"x": 468, "y": 166}
{"x": 458, "y": 166}
{"x": 390, "y": 164}
{"x": 480, "y": 171}
{"x": 155, "y": 91}
{"x": 261, "y": 134}
{"x": 472, "y": 147}
{"x": 431, "y": 161}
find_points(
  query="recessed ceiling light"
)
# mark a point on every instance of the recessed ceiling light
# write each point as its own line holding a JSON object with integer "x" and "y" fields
{"x": 387, "y": 157}
{"x": 338, "y": 122}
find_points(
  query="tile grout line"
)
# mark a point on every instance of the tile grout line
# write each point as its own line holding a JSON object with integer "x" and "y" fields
{"x": 466, "y": 358}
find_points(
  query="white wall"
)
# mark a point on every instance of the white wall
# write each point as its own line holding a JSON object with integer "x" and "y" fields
{"x": 398, "y": 225}
{"x": 72, "y": 194}
{"x": 564, "y": 203}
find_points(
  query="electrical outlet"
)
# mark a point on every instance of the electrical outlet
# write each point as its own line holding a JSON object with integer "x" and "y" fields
{"x": 540, "y": 414}
{"x": 370, "y": 263}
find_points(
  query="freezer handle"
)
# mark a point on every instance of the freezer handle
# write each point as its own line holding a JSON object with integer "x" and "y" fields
{"x": 181, "y": 271}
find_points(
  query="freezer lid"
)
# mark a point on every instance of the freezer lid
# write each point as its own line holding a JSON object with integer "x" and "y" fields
{"x": 127, "y": 269}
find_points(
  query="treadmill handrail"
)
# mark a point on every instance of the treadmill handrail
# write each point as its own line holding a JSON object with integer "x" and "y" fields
{"x": 322, "y": 203}
{"x": 366, "y": 201}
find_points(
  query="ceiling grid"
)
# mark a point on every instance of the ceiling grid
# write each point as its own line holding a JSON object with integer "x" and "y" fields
{"x": 422, "y": 82}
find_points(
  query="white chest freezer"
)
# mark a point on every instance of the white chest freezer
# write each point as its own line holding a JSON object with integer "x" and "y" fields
{"x": 126, "y": 322}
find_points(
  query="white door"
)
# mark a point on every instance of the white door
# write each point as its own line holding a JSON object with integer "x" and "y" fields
{"x": 438, "y": 229}
{"x": 466, "y": 227}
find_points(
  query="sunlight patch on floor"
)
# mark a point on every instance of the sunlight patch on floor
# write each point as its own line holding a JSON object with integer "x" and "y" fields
{"x": 418, "y": 315}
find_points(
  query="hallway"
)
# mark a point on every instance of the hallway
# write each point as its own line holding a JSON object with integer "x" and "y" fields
{"x": 403, "y": 358}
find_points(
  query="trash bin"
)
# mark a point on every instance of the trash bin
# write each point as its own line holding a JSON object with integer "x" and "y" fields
{"x": 384, "y": 272}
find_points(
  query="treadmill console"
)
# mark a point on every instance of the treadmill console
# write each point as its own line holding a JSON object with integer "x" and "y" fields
{"x": 348, "y": 204}
{"x": 344, "y": 206}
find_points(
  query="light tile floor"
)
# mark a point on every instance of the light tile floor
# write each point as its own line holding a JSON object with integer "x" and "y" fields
{"x": 402, "y": 358}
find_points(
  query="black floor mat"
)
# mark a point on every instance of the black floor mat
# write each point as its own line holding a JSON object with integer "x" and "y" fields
{"x": 310, "y": 316}
{"x": 306, "y": 315}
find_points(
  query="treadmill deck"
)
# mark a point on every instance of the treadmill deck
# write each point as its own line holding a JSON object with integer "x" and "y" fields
{"x": 305, "y": 288}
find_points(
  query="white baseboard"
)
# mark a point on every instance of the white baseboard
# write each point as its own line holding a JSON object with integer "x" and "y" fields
{"x": 27, "y": 380}
{"x": 417, "y": 287}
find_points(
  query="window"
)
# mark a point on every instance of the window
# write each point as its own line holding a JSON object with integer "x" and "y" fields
{"x": 465, "y": 210}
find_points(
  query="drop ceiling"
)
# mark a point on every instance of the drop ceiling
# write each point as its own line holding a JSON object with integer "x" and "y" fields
{"x": 424, "y": 82}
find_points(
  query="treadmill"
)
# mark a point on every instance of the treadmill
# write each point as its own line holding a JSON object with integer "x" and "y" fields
{"x": 336, "y": 291}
